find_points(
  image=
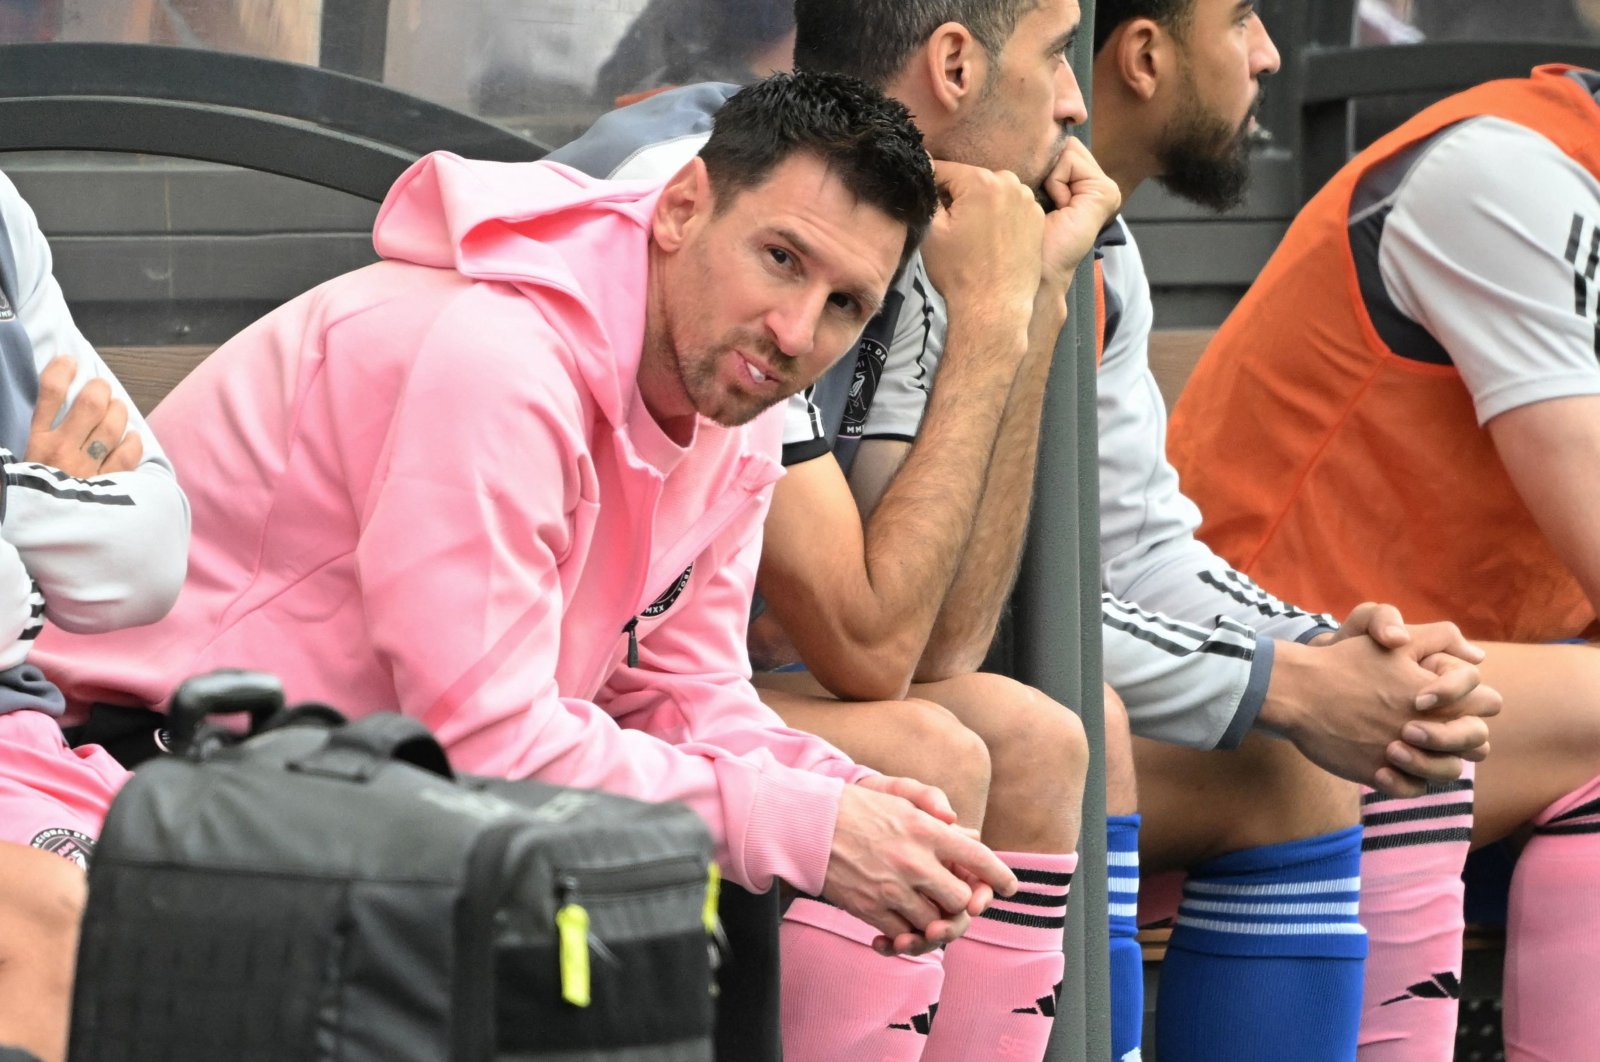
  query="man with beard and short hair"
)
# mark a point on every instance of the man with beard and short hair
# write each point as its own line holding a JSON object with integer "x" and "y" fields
{"x": 1424, "y": 425}
{"x": 1151, "y": 67}
{"x": 498, "y": 482}
{"x": 1202, "y": 683}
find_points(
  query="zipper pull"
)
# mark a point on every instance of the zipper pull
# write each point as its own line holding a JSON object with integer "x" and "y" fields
{"x": 572, "y": 934}
{"x": 631, "y": 630}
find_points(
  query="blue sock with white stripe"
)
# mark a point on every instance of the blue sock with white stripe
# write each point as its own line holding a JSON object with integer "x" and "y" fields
{"x": 1127, "y": 960}
{"x": 1266, "y": 958}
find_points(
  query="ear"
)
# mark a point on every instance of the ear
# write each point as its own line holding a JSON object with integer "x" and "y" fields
{"x": 685, "y": 200}
{"x": 955, "y": 65}
{"x": 1141, "y": 54}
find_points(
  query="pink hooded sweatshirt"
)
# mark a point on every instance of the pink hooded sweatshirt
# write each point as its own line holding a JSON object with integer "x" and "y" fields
{"x": 432, "y": 485}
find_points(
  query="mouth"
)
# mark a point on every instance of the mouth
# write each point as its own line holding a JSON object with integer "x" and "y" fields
{"x": 762, "y": 377}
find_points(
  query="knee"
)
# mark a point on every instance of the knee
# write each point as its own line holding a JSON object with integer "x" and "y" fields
{"x": 41, "y": 890}
{"x": 1027, "y": 733}
{"x": 954, "y": 758}
{"x": 41, "y": 903}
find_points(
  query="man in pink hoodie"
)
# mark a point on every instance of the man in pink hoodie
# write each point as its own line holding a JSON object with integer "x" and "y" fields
{"x": 511, "y": 481}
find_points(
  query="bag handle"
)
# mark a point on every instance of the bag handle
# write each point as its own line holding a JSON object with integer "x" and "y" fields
{"x": 222, "y": 692}
{"x": 355, "y": 752}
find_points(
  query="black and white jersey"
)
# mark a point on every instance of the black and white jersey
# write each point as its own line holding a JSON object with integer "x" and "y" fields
{"x": 90, "y": 554}
{"x": 1188, "y": 640}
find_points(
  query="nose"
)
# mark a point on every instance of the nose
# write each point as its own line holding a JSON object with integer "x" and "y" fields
{"x": 793, "y": 322}
{"x": 1264, "y": 58}
{"x": 1070, "y": 108}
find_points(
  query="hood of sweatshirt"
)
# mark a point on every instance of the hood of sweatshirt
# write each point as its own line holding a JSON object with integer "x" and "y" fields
{"x": 576, "y": 241}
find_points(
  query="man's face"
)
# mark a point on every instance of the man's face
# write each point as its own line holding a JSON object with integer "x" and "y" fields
{"x": 1223, "y": 52}
{"x": 1028, "y": 102}
{"x": 761, "y": 298}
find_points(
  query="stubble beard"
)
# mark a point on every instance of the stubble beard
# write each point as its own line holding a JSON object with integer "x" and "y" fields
{"x": 697, "y": 369}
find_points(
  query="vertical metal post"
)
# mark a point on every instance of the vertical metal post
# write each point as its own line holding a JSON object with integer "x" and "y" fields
{"x": 1058, "y": 631}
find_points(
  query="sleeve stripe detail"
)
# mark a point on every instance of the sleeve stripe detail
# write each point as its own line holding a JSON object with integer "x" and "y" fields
{"x": 1230, "y": 639}
{"x": 46, "y": 480}
{"x": 1241, "y": 589}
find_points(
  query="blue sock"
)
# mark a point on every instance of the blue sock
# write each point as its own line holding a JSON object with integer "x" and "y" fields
{"x": 1266, "y": 957}
{"x": 1127, "y": 961}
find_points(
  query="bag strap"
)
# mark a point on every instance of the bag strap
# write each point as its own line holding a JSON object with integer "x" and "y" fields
{"x": 356, "y": 752}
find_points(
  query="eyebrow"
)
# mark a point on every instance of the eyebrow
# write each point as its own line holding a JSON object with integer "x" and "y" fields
{"x": 870, "y": 303}
{"x": 1063, "y": 42}
{"x": 1244, "y": 7}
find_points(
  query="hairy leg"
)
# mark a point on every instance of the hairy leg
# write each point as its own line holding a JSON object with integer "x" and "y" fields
{"x": 1037, "y": 759}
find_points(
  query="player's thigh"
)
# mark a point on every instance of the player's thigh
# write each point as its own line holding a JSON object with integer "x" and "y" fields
{"x": 913, "y": 738}
{"x": 1197, "y": 805}
{"x": 1546, "y": 740}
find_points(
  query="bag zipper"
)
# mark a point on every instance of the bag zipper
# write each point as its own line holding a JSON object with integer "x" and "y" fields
{"x": 574, "y": 938}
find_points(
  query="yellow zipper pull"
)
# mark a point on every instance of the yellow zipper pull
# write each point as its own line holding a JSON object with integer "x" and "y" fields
{"x": 572, "y": 932}
{"x": 713, "y": 898}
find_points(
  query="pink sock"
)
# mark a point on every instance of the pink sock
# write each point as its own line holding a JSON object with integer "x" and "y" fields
{"x": 1552, "y": 973}
{"x": 842, "y": 1000}
{"x": 1002, "y": 978}
{"x": 1412, "y": 852}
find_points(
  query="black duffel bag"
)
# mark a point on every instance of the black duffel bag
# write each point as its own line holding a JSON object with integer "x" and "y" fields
{"x": 322, "y": 891}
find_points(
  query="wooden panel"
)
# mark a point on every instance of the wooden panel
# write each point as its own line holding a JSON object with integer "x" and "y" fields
{"x": 150, "y": 372}
{"x": 1173, "y": 353}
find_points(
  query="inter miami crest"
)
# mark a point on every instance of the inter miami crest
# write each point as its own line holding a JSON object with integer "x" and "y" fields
{"x": 664, "y": 602}
{"x": 6, "y": 312}
{"x": 870, "y": 360}
{"x": 68, "y": 844}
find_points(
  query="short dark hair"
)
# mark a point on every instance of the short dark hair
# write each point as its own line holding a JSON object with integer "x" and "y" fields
{"x": 873, "y": 39}
{"x": 1109, "y": 14}
{"x": 863, "y": 138}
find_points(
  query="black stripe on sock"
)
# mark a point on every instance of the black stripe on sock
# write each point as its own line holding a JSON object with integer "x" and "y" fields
{"x": 1569, "y": 828}
{"x": 1042, "y": 877}
{"x": 1431, "y": 811}
{"x": 1575, "y": 239}
{"x": 1020, "y": 918}
{"x": 1419, "y": 837}
{"x": 1591, "y": 807}
{"x": 1460, "y": 785}
{"x": 1034, "y": 899}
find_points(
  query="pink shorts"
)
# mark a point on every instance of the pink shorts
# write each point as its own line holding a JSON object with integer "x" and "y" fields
{"x": 51, "y": 796}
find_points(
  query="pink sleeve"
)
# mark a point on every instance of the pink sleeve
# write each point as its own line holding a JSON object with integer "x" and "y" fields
{"x": 693, "y": 684}
{"x": 459, "y": 565}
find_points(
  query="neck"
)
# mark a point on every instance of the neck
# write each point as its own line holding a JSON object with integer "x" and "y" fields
{"x": 660, "y": 385}
{"x": 1122, "y": 145}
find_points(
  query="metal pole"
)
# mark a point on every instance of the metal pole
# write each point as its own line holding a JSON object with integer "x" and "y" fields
{"x": 1058, "y": 631}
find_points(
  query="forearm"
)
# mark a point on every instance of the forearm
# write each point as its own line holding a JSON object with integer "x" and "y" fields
{"x": 920, "y": 531}
{"x": 107, "y": 552}
{"x": 971, "y": 610}
{"x": 857, "y": 595}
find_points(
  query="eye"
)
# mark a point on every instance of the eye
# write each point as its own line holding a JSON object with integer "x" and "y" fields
{"x": 780, "y": 256}
{"x": 841, "y": 301}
